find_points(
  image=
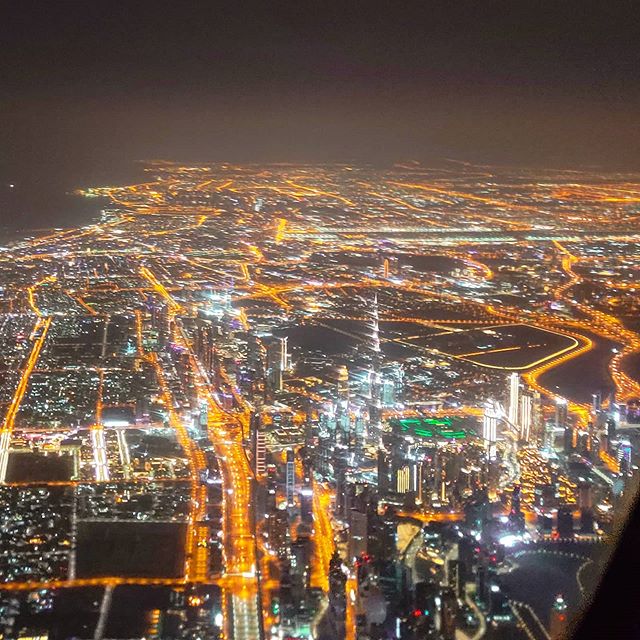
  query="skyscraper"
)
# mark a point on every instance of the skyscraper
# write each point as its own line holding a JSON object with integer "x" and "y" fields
{"x": 490, "y": 428}
{"x": 276, "y": 364}
{"x": 596, "y": 403}
{"x": 561, "y": 413}
{"x": 290, "y": 479}
{"x": 375, "y": 386}
{"x": 259, "y": 446}
{"x": 514, "y": 398}
{"x": 537, "y": 421}
{"x": 526, "y": 417}
{"x": 343, "y": 435}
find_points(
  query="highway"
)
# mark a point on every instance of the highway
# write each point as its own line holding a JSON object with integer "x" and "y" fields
{"x": 240, "y": 545}
{"x": 323, "y": 535}
{"x": 105, "y": 581}
{"x": 240, "y": 580}
{"x": 39, "y": 336}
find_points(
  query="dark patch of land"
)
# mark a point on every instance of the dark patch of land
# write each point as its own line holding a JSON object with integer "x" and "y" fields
{"x": 140, "y": 549}
{"x": 38, "y": 467}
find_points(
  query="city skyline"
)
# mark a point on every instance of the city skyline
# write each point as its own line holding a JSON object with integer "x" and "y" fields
{"x": 295, "y": 381}
{"x": 319, "y": 321}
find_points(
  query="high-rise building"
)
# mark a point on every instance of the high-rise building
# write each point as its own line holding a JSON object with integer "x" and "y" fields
{"x": 392, "y": 381}
{"x": 290, "y": 478}
{"x": 561, "y": 413}
{"x": 342, "y": 384}
{"x": 565, "y": 521}
{"x": 568, "y": 435}
{"x": 596, "y": 403}
{"x": 384, "y": 471}
{"x": 514, "y": 399}
{"x": 255, "y": 368}
{"x": 549, "y": 435}
{"x": 340, "y": 466}
{"x": 204, "y": 343}
{"x": 403, "y": 479}
{"x": 490, "y": 428}
{"x": 374, "y": 401}
{"x": 343, "y": 418}
{"x": 526, "y": 417}
{"x": 610, "y": 430}
{"x": 259, "y": 446}
{"x": 276, "y": 364}
{"x": 585, "y": 502}
{"x": 358, "y": 533}
{"x": 537, "y": 418}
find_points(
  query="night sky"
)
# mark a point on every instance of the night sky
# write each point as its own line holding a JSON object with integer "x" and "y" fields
{"x": 88, "y": 86}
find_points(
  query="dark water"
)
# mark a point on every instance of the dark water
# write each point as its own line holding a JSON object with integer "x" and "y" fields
{"x": 19, "y": 215}
{"x": 32, "y": 202}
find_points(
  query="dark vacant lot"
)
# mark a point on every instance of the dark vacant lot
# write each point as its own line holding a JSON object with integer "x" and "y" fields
{"x": 38, "y": 467}
{"x": 140, "y": 549}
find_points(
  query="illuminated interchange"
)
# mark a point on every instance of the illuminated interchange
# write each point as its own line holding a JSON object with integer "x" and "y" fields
{"x": 272, "y": 402}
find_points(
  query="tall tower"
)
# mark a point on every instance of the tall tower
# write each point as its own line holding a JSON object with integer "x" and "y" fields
{"x": 549, "y": 436}
{"x": 561, "y": 413}
{"x": 514, "y": 398}
{"x": 276, "y": 364}
{"x": 596, "y": 403}
{"x": 526, "y": 417}
{"x": 490, "y": 428}
{"x": 343, "y": 422}
{"x": 290, "y": 478}
{"x": 537, "y": 417}
{"x": 259, "y": 446}
{"x": 375, "y": 386}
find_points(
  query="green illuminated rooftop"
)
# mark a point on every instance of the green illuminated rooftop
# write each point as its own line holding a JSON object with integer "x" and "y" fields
{"x": 429, "y": 428}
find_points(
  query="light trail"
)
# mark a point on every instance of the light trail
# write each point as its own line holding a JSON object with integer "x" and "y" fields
{"x": 242, "y": 619}
{"x": 31, "y": 294}
{"x": 486, "y": 271}
{"x": 90, "y": 310}
{"x": 407, "y": 205}
{"x": 99, "y": 447}
{"x": 323, "y": 536}
{"x": 605, "y": 325}
{"x": 432, "y": 516}
{"x": 159, "y": 288}
{"x": 469, "y": 196}
{"x": 239, "y": 537}
{"x": 75, "y": 483}
{"x": 257, "y": 253}
{"x": 80, "y": 583}
{"x": 139, "y": 339}
{"x": 42, "y": 326}
{"x": 351, "y": 610}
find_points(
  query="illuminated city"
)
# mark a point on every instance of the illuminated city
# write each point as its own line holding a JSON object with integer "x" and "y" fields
{"x": 319, "y": 401}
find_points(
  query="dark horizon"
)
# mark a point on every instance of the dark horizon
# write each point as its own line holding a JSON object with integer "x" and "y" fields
{"x": 89, "y": 88}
